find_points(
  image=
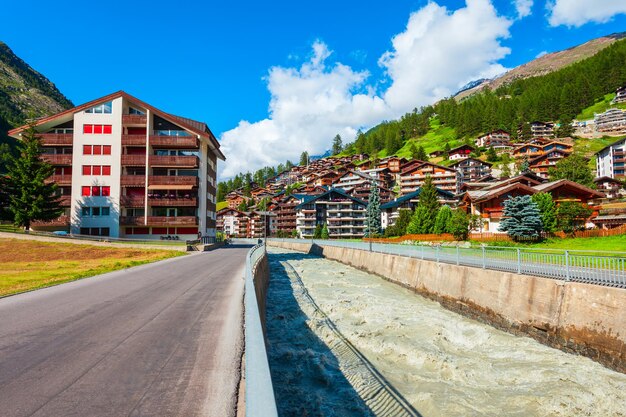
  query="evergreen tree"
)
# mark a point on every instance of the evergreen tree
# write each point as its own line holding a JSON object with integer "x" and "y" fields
{"x": 30, "y": 197}
{"x": 521, "y": 218}
{"x": 420, "y": 223}
{"x": 403, "y": 220}
{"x": 373, "y": 211}
{"x": 459, "y": 224}
{"x": 571, "y": 216}
{"x": 304, "y": 158}
{"x": 573, "y": 168}
{"x": 413, "y": 150}
{"x": 428, "y": 200}
{"x": 318, "y": 232}
{"x": 565, "y": 128}
{"x": 421, "y": 154}
{"x": 492, "y": 156}
{"x": 337, "y": 145}
{"x": 324, "y": 232}
{"x": 506, "y": 170}
{"x": 441, "y": 221}
{"x": 547, "y": 208}
{"x": 524, "y": 165}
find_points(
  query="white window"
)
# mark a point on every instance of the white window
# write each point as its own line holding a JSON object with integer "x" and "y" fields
{"x": 104, "y": 108}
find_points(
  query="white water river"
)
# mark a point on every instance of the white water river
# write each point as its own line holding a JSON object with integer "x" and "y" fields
{"x": 442, "y": 363}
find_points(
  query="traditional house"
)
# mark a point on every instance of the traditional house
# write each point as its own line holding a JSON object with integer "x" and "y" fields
{"x": 611, "y": 187}
{"x": 390, "y": 211}
{"x": 460, "y": 152}
{"x": 443, "y": 177}
{"x": 232, "y": 222}
{"x": 471, "y": 169}
{"x": 542, "y": 164}
{"x": 343, "y": 214}
{"x": 497, "y": 139}
{"x": 542, "y": 129}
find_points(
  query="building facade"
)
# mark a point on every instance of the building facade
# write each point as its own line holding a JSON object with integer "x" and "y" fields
{"x": 471, "y": 169}
{"x": 497, "y": 139}
{"x": 611, "y": 160}
{"x": 127, "y": 169}
{"x": 443, "y": 177}
{"x": 611, "y": 121}
{"x": 343, "y": 215}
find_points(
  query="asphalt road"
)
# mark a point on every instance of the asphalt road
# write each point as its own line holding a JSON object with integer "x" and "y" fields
{"x": 163, "y": 339}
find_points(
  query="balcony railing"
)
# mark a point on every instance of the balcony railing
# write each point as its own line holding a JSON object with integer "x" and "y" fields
{"x": 57, "y": 159}
{"x": 173, "y": 202}
{"x": 65, "y": 200}
{"x": 134, "y": 119}
{"x": 172, "y": 180}
{"x": 159, "y": 220}
{"x": 133, "y": 140}
{"x": 133, "y": 180}
{"x": 56, "y": 139}
{"x": 132, "y": 201}
{"x": 189, "y": 161}
{"x": 60, "y": 221}
{"x": 134, "y": 160}
{"x": 187, "y": 142}
{"x": 60, "y": 179}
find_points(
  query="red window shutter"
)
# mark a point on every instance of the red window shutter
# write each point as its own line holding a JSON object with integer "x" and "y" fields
{"x": 129, "y": 230}
{"x": 68, "y": 171}
{"x": 97, "y": 149}
{"x": 87, "y": 128}
{"x": 107, "y": 129}
{"x": 86, "y": 169}
{"x": 86, "y": 149}
{"x": 95, "y": 191}
{"x": 106, "y": 150}
{"x": 86, "y": 192}
{"x": 106, "y": 170}
{"x": 96, "y": 170}
{"x": 106, "y": 191}
{"x": 97, "y": 129}
{"x": 159, "y": 230}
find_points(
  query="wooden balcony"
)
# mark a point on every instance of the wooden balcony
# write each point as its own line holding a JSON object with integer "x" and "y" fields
{"x": 56, "y": 139}
{"x": 133, "y": 180}
{"x": 65, "y": 200}
{"x": 174, "y": 161}
{"x": 172, "y": 180}
{"x": 134, "y": 160}
{"x": 60, "y": 221}
{"x": 159, "y": 221}
{"x": 187, "y": 142}
{"x": 131, "y": 201}
{"x": 60, "y": 179}
{"x": 57, "y": 159}
{"x": 133, "y": 140}
{"x": 134, "y": 119}
{"x": 173, "y": 202}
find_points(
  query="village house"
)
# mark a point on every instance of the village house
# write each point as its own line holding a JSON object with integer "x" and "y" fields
{"x": 460, "y": 152}
{"x": 542, "y": 130}
{"x": 611, "y": 121}
{"x": 610, "y": 160}
{"x": 414, "y": 176}
{"x": 471, "y": 169}
{"x": 390, "y": 211}
{"x": 497, "y": 139}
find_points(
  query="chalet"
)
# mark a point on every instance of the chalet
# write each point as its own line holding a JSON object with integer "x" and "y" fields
{"x": 471, "y": 169}
{"x": 542, "y": 164}
{"x": 538, "y": 148}
{"x": 620, "y": 95}
{"x": 611, "y": 187}
{"x": 235, "y": 198}
{"x": 232, "y": 222}
{"x": 460, "y": 152}
{"x": 343, "y": 214}
{"x": 390, "y": 211}
{"x": 443, "y": 177}
{"x": 541, "y": 129}
{"x": 497, "y": 139}
{"x": 393, "y": 163}
{"x": 435, "y": 154}
{"x": 353, "y": 178}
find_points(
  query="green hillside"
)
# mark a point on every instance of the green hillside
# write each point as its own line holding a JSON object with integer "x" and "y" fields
{"x": 600, "y": 106}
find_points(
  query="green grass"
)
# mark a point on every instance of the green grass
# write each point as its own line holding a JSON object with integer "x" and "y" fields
{"x": 221, "y": 205}
{"x": 10, "y": 228}
{"x": 434, "y": 140}
{"x": 597, "y": 244}
{"x": 27, "y": 264}
{"x": 599, "y": 106}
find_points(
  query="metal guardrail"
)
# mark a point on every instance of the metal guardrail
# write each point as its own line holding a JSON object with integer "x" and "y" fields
{"x": 608, "y": 268}
{"x": 260, "y": 401}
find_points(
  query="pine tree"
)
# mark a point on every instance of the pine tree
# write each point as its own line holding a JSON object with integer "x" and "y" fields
{"x": 428, "y": 199}
{"x": 547, "y": 208}
{"x": 441, "y": 221}
{"x": 521, "y": 218}
{"x": 402, "y": 222}
{"x": 419, "y": 221}
{"x": 337, "y": 145}
{"x": 413, "y": 150}
{"x": 573, "y": 168}
{"x": 421, "y": 154}
{"x": 459, "y": 224}
{"x": 373, "y": 212}
{"x": 30, "y": 197}
{"x": 318, "y": 232}
{"x": 492, "y": 156}
{"x": 304, "y": 158}
{"x": 324, "y": 233}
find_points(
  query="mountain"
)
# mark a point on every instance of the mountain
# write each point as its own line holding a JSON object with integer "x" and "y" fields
{"x": 24, "y": 93}
{"x": 543, "y": 65}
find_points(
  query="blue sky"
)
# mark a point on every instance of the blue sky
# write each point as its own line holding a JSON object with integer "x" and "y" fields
{"x": 213, "y": 61}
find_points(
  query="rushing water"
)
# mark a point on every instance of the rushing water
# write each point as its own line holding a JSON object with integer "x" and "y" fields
{"x": 442, "y": 363}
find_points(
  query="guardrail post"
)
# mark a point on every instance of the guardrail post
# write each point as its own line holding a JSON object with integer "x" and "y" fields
{"x": 422, "y": 247}
{"x": 437, "y": 253}
{"x": 567, "y": 272}
{"x": 457, "y": 255}
{"x": 519, "y": 261}
{"x": 370, "y": 245}
{"x": 484, "y": 256}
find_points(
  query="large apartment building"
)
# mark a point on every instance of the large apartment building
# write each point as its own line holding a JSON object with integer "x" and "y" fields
{"x": 127, "y": 169}
{"x": 343, "y": 214}
{"x": 613, "y": 120}
{"x": 611, "y": 160}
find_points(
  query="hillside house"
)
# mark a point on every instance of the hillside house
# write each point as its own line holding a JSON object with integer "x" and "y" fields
{"x": 471, "y": 169}
{"x": 611, "y": 160}
{"x": 443, "y": 177}
{"x": 497, "y": 139}
{"x": 390, "y": 211}
{"x": 611, "y": 121}
{"x": 460, "y": 152}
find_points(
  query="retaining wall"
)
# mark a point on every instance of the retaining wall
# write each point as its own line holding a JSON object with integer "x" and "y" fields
{"x": 575, "y": 317}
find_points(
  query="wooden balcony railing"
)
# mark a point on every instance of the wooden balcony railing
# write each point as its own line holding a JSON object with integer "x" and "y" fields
{"x": 65, "y": 200}
{"x": 60, "y": 179}
{"x": 174, "y": 161}
{"x": 134, "y": 160}
{"x": 132, "y": 201}
{"x": 57, "y": 159}
{"x": 60, "y": 221}
{"x": 133, "y": 140}
{"x": 134, "y": 119}
{"x": 187, "y": 142}
{"x": 159, "y": 220}
{"x": 173, "y": 202}
{"x": 172, "y": 180}
{"x": 56, "y": 139}
{"x": 133, "y": 180}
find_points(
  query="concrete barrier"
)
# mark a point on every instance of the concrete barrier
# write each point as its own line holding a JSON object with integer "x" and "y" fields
{"x": 576, "y": 317}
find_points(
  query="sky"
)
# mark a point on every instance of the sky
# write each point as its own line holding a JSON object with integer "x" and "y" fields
{"x": 272, "y": 79}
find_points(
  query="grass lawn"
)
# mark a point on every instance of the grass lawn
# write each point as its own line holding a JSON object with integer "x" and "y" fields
{"x": 600, "y": 106}
{"x": 597, "y": 244}
{"x": 28, "y": 264}
{"x": 434, "y": 140}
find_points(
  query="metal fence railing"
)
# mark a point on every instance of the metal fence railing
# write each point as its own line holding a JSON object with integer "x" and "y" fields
{"x": 605, "y": 268}
{"x": 260, "y": 401}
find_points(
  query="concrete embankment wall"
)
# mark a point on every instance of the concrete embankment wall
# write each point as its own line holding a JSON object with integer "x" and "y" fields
{"x": 261, "y": 277}
{"x": 576, "y": 317}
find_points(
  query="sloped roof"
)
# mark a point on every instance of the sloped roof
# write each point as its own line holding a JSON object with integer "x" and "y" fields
{"x": 332, "y": 190}
{"x": 407, "y": 197}
{"x": 549, "y": 186}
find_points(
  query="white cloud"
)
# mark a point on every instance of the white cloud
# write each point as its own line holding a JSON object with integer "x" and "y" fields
{"x": 438, "y": 52}
{"x": 523, "y": 7}
{"x": 540, "y": 54}
{"x": 578, "y": 12}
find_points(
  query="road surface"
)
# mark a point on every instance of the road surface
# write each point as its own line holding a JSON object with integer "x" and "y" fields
{"x": 163, "y": 339}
